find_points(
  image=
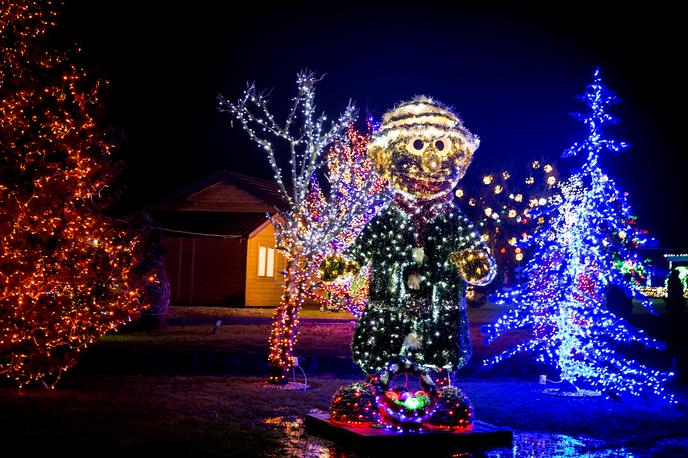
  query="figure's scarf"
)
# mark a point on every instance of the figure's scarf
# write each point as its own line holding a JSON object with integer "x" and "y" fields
{"x": 423, "y": 211}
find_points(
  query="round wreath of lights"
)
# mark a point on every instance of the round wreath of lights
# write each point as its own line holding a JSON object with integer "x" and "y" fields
{"x": 401, "y": 406}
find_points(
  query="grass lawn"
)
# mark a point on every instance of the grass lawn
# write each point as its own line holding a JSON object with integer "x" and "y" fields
{"x": 486, "y": 313}
{"x": 109, "y": 406}
{"x": 309, "y": 311}
{"x": 236, "y": 416}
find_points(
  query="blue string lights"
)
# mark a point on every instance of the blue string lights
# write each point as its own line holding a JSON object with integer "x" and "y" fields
{"x": 590, "y": 233}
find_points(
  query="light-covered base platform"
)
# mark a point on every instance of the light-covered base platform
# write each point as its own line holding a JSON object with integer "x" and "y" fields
{"x": 483, "y": 435}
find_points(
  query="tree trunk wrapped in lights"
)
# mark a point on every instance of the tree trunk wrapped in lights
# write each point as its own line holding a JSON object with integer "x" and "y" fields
{"x": 67, "y": 274}
{"x": 318, "y": 220}
{"x": 589, "y": 234}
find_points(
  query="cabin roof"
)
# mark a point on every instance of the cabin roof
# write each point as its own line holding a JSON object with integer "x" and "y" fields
{"x": 263, "y": 191}
{"x": 220, "y": 224}
{"x": 226, "y": 204}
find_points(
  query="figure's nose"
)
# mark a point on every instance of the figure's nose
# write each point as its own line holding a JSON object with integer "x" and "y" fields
{"x": 431, "y": 162}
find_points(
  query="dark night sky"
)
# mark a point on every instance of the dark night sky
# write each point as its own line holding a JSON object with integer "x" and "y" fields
{"x": 511, "y": 72}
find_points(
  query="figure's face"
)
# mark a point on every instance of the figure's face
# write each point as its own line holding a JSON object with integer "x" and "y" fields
{"x": 422, "y": 166}
{"x": 422, "y": 149}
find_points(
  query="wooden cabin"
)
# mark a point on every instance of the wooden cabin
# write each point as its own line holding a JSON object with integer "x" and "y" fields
{"x": 220, "y": 245}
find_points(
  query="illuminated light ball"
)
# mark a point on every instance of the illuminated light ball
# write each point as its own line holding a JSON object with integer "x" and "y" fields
{"x": 485, "y": 237}
{"x": 533, "y": 203}
{"x": 530, "y": 180}
{"x": 622, "y": 235}
{"x": 512, "y": 241}
{"x": 536, "y": 164}
{"x": 518, "y": 197}
{"x": 488, "y": 211}
{"x": 503, "y": 250}
{"x": 487, "y": 179}
{"x": 498, "y": 189}
{"x": 547, "y": 168}
{"x": 471, "y": 202}
{"x": 551, "y": 180}
{"x": 454, "y": 410}
{"x": 354, "y": 404}
{"x": 519, "y": 256}
{"x": 459, "y": 192}
{"x": 542, "y": 201}
{"x": 512, "y": 213}
{"x": 506, "y": 175}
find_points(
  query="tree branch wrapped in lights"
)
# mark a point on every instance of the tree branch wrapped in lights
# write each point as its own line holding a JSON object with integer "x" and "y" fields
{"x": 319, "y": 221}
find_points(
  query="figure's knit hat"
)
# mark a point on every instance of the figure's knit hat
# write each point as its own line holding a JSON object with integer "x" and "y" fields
{"x": 423, "y": 116}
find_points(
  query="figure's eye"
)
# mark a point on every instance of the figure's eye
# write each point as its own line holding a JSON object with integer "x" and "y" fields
{"x": 442, "y": 145}
{"x": 416, "y": 145}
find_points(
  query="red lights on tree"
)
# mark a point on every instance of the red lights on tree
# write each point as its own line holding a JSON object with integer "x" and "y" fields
{"x": 66, "y": 271}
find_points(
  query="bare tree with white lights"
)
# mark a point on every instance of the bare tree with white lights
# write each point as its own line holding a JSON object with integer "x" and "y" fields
{"x": 310, "y": 228}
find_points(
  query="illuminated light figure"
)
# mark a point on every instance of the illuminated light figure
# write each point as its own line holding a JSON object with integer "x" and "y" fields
{"x": 422, "y": 252}
{"x": 577, "y": 250}
{"x": 315, "y": 223}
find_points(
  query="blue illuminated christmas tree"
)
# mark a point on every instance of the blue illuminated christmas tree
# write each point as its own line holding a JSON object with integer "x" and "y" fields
{"x": 576, "y": 259}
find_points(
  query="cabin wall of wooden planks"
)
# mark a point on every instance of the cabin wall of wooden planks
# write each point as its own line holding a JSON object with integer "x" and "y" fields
{"x": 263, "y": 290}
{"x": 204, "y": 270}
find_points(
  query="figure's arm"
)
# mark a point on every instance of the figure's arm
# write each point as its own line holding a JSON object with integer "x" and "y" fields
{"x": 335, "y": 265}
{"x": 471, "y": 256}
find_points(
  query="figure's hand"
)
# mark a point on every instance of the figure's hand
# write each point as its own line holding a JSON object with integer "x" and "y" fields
{"x": 335, "y": 266}
{"x": 475, "y": 266}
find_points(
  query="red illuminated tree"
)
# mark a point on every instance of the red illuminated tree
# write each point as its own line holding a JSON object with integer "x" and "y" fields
{"x": 67, "y": 273}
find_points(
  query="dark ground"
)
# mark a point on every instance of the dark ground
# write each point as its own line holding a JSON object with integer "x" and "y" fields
{"x": 181, "y": 391}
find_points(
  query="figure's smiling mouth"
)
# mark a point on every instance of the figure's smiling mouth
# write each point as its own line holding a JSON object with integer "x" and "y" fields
{"x": 423, "y": 186}
{"x": 441, "y": 179}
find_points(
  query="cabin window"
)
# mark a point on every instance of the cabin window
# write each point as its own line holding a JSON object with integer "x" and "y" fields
{"x": 266, "y": 262}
